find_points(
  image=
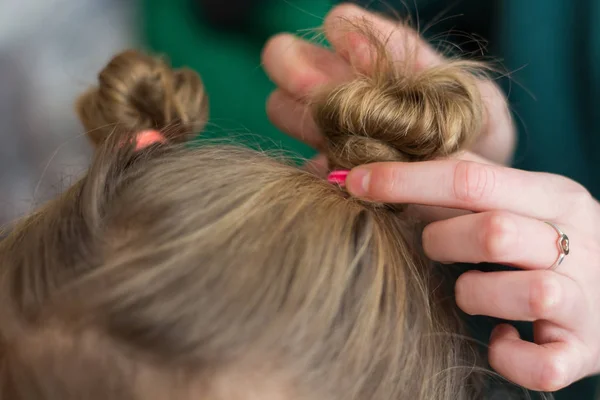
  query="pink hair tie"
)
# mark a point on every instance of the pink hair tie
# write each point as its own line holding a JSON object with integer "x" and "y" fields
{"x": 147, "y": 138}
{"x": 338, "y": 177}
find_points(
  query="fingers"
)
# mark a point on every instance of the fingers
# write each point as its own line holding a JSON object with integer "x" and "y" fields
{"x": 403, "y": 43}
{"x": 463, "y": 184}
{"x": 408, "y": 49}
{"x": 493, "y": 237}
{"x": 299, "y": 68}
{"x": 521, "y": 296}
{"x": 293, "y": 117}
{"x": 317, "y": 166}
{"x": 546, "y": 368}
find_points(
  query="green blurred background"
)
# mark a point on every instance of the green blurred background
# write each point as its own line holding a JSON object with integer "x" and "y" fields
{"x": 228, "y": 60}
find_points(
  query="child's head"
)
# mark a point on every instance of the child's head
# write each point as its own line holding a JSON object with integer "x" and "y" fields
{"x": 217, "y": 272}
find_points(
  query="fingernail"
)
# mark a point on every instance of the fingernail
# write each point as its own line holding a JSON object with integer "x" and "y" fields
{"x": 358, "y": 181}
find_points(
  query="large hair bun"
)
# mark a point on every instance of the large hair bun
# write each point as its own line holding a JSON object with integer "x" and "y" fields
{"x": 136, "y": 92}
{"x": 393, "y": 117}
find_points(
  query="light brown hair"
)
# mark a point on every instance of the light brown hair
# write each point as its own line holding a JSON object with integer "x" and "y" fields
{"x": 217, "y": 272}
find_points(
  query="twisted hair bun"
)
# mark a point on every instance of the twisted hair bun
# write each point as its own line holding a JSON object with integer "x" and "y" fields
{"x": 395, "y": 115}
{"x": 136, "y": 92}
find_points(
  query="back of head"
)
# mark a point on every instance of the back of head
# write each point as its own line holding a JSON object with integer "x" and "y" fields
{"x": 221, "y": 273}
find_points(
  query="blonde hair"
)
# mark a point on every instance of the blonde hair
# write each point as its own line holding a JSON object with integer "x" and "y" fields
{"x": 216, "y": 272}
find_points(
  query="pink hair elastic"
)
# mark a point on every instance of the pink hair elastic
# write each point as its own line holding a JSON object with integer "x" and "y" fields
{"x": 338, "y": 177}
{"x": 147, "y": 138}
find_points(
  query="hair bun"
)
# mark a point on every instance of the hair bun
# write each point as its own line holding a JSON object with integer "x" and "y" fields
{"x": 136, "y": 92}
{"x": 391, "y": 117}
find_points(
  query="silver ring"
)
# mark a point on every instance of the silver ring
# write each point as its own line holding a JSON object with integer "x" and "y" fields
{"x": 563, "y": 246}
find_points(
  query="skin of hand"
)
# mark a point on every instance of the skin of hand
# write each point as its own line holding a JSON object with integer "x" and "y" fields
{"x": 502, "y": 217}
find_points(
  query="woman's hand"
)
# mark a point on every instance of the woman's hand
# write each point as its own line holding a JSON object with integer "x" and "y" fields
{"x": 299, "y": 68}
{"x": 507, "y": 227}
{"x": 503, "y": 218}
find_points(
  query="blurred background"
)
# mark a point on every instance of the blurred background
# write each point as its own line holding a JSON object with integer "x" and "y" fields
{"x": 51, "y": 50}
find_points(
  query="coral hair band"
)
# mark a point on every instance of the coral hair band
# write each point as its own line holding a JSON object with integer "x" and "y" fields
{"x": 338, "y": 177}
{"x": 147, "y": 138}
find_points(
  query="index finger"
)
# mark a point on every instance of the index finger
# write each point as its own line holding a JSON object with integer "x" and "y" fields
{"x": 462, "y": 184}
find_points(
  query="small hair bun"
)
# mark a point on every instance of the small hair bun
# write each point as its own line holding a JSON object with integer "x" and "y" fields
{"x": 136, "y": 92}
{"x": 393, "y": 117}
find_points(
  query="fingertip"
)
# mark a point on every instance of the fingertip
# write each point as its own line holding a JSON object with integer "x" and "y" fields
{"x": 404, "y": 43}
{"x": 358, "y": 181}
{"x": 465, "y": 294}
{"x": 274, "y": 101}
{"x": 545, "y": 368}
{"x": 504, "y": 332}
{"x": 318, "y": 165}
{"x": 426, "y": 238}
{"x": 342, "y": 12}
{"x": 273, "y": 44}
{"x": 343, "y": 27}
{"x": 293, "y": 117}
{"x": 297, "y": 66}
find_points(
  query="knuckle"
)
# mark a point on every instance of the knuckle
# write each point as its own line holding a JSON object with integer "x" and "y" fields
{"x": 576, "y": 196}
{"x": 553, "y": 374}
{"x": 340, "y": 13}
{"x": 582, "y": 198}
{"x": 572, "y": 186}
{"x": 473, "y": 182}
{"x": 499, "y": 236}
{"x": 544, "y": 295}
{"x": 290, "y": 72}
{"x": 273, "y": 105}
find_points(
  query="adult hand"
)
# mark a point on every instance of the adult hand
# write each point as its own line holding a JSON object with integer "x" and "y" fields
{"x": 503, "y": 221}
{"x": 299, "y": 68}
{"x": 506, "y": 226}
